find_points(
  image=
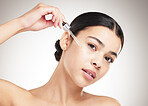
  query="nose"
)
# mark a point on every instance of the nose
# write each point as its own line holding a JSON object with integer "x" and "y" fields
{"x": 96, "y": 65}
{"x": 96, "y": 62}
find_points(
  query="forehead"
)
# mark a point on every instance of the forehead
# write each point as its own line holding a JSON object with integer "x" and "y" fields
{"x": 105, "y": 35}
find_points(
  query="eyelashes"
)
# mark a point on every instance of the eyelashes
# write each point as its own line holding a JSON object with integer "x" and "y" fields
{"x": 110, "y": 60}
{"x": 94, "y": 48}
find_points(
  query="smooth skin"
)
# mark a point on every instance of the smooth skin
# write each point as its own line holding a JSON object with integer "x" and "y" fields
{"x": 65, "y": 87}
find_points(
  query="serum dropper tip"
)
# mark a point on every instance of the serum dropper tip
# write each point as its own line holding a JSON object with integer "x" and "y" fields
{"x": 67, "y": 28}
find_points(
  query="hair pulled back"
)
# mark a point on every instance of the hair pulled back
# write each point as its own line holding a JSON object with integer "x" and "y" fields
{"x": 91, "y": 19}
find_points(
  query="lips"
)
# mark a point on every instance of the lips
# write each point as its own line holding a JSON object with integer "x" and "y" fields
{"x": 90, "y": 72}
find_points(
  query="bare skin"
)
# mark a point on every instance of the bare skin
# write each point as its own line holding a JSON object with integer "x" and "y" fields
{"x": 65, "y": 87}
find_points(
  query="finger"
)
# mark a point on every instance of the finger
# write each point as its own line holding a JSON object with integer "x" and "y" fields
{"x": 63, "y": 17}
{"x": 56, "y": 21}
{"x": 53, "y": 18}
{"x": 60, "y": 22}
{"x": 54, "y": 11}
{"x": 57, "y": 17}
{"x": 47, "y": 10}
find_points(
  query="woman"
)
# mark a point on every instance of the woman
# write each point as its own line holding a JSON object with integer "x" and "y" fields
{"x": 101, "y": 39}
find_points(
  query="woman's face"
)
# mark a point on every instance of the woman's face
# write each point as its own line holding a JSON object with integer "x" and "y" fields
{"x": 89, "y": 62}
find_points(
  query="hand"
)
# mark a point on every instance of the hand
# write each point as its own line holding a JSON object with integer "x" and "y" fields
{"x": 34, "y": 19}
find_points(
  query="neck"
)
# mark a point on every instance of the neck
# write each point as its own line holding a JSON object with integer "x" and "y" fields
{"x": 61, "y": 88}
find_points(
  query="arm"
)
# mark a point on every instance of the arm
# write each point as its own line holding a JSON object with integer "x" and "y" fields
{"x": 33, "y": 20}
{"x": 11, "y": 94}
{"x": 4, "y": 94}
{"x": 9, "y": 29}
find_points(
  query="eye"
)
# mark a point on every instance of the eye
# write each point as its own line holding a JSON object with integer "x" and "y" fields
{"x": 92, "y": 46}
{"x": 108, "y": 59}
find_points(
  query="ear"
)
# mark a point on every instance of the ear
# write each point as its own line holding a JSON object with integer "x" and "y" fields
{"x": 65, "y": 40}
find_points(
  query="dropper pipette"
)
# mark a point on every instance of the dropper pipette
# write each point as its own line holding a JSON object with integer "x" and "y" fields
{"x": 66, "y": 27}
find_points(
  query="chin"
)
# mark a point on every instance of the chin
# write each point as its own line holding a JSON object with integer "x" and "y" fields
{"x": 81, "y": 82}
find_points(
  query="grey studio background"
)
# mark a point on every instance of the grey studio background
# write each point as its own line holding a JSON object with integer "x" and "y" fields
{"x": 27, "y": 59}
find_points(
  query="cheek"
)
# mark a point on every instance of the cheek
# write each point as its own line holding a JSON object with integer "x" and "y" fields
{"x": 79, "y": 55}
{"x": 104, "y": 69}
{"x": 76, "y": 58}
{"x": 72, "y": 57}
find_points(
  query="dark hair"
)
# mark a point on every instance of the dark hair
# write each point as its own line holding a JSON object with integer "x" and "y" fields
{"x": 91, "y": 19}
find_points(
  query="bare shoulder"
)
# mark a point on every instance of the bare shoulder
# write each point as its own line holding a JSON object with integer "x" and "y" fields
{"x": 103, "y": 100}
{"x": 9, "y": 87}
{"x": 11, "y": 92}
{"x": 108, "y": 101}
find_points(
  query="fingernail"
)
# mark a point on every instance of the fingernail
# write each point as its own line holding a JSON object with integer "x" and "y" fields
{"x": 53, "y": 20}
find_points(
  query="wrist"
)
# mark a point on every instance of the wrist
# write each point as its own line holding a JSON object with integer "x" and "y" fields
{"x": 22, "y": 24}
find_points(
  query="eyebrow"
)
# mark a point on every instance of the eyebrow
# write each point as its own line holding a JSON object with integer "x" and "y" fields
{"x": 113, "y": 53}
{"x": 98, "y": 40}
{"x": 101, "y": 43}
